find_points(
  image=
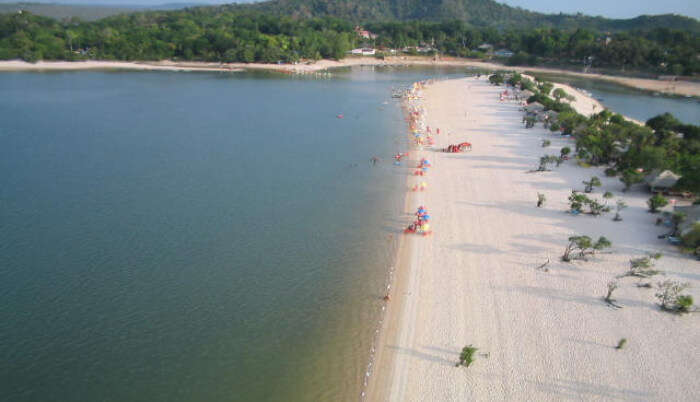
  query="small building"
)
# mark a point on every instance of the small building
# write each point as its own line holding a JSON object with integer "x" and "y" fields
{"x": 363, "y": 51}
{"x": 534, "y": 107}
{"x": 692, "y": 217}
{"x": 503, "y": 53}
{"x": 485, "y": 47}
{"x": 364, "y": 33}
{"x": 661, "y": 180}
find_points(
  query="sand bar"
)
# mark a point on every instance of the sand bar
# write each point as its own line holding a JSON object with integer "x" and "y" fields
{"x": 541, "y": 335}
{"x": 682, "y": 88}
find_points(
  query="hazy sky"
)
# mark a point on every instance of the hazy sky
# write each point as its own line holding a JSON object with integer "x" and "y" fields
{"x": 606, "y": 8}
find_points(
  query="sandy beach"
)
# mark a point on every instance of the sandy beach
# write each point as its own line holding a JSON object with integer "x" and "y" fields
{"x": 681, "y": 88}
{"x": 541, "y": 334}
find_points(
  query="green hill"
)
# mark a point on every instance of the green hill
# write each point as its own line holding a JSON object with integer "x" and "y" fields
{"x": 478, "y": 13}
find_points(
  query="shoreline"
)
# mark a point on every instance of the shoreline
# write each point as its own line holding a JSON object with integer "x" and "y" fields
{"x": 675, "y": 88}
{"x": 541, "y": 335}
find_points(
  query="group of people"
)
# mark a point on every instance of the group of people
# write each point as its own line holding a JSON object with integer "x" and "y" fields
{"x": 421, "y": 225}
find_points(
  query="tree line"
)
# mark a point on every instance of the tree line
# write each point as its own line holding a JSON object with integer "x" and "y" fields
{"x": 231, "y": 34}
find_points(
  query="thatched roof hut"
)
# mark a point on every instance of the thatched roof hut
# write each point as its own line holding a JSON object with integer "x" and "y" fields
{"x": 661, "y": 180}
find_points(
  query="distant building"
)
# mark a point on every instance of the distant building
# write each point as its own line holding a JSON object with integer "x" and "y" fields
{"x": 661, "y": 180}
{"x": 485, "y": 47}
{"x": 503, "y": 53}
{"x": 364, "y": 33}
{"x": 363, "y": 51}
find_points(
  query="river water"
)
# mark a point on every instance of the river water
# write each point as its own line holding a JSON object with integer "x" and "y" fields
{"x": 195, "y": 236}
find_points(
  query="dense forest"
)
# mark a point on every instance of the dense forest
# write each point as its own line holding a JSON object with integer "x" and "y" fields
{"x": 477, "y": 13}
{"x": 241, "y": 34}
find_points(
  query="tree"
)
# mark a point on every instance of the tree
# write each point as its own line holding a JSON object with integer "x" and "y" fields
{"x": 540, "y": 200}
{"x": 558, "y": 94}
{"x": 612, "y": 285}
{"x": 593, "y": 182}
{"x": 546, "y": 161}
{"x": 618, "y": 208}
{"x": 630, "y": 177}
{"x": 643, "y": 267}
{"x": 496, "y": 79}
{"x": 581, "y": 246}
{"x": 655, "y": 202}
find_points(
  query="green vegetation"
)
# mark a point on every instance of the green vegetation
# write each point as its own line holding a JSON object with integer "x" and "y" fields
{"x": 301, "y": 29}
{"x": 643, "y": 267}
{"x": 621, "y": 343}
{"x": 545, "y": 161}
{"x": 193, "y": 34}
{"x": 577, "y": 201}
{"x": 692, "y": 237}
{"x": 466, "y": 358}
{"x": 618, "y": 208}
{"x": 671, "y": 299}
{"x": 496, "y": 79}
{"x": 593, "y": 182}
{"x": 581, "y": 246}
{"x": 546, "y": 143}
{"x": 655, "y": 202}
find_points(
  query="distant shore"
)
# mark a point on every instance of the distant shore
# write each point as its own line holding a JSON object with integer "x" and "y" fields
{"x": 680, "y": 88}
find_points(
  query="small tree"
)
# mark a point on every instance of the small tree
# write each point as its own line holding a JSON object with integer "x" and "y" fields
{"x": 596, "y": 208}
{"x": 612, "y": 285}
{"x": 593, "y": 182}
{"x": 676, "y": 219}
{"x": 565, "y": 152}
{"x": 558, "y": 94}
{"x": 620, "y": 206}
{"x": 577, "y": 201}
{"x": 581, "y": 246}
{"x": 655, "y": 202}
{"x": 466, "y": 358}
{"x": 643, "y": 267}
{"x": 496, "y": 79}
{"x": 540, "y": 200}
{"x": 608, "y": 195}
{"x": 546, "y": 143}
{"x": 670, "y": 297}
{"x": 630, "y": 177}
{"x": 546, "y": 161}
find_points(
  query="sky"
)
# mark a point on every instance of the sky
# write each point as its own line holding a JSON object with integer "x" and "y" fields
{"x": 606, "y": 8}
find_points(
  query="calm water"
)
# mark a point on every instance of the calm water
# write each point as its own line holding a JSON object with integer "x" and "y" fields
{"x": 637, "y": 104}
{"x": 194, "y": 237}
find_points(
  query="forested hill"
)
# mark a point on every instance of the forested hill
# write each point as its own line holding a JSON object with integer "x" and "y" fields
{"x": 479, "y": 13}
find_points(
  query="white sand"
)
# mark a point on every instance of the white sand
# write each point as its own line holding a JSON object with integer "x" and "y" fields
{"x": 548, "y": 335}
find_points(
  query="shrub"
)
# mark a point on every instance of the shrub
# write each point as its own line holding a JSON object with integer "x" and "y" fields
{"x": 618, "y": 208}
{"x": 630, "y": 177}
{"x": 546, "y": 143}
{"x": 643, "y": 267}
{"x": 545, "y": 161}
{"x": 621, "y": 343}
{"x": 692, "y": 237}
{"x": 466, "y": 358}
{"x": 612, "y": 285}
{"x": 671, "y": 299}
{"x": 608, "y": 195}
{"x": 610, "y": 172}
{"x": 581, "y": 246}
{"x": 554, "y": 126}
{"x": 655, "y": 202}
{"x": 593, "y": 182}
{"x": 496, "y": 79}
{"x": 540, "y": 200}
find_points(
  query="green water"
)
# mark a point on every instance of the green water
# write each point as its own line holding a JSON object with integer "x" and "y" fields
{"x": 194, "y": 237}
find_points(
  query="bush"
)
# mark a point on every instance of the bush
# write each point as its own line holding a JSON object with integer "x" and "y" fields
{"x": 581, "y": 246}
{"x": 593, "y": 182}
{"x": 656, "y": 202}
{"x": 692, "y": 237}
{"x": 608, "y": 195}
{"x": 554, "y": 126}
{"x": 496, "y": 79}
{"x": 546, "y": 143}
{"x": 671, "y": 299}
{"x": 610, "y": 172}
{"x": 466, "y": 358}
